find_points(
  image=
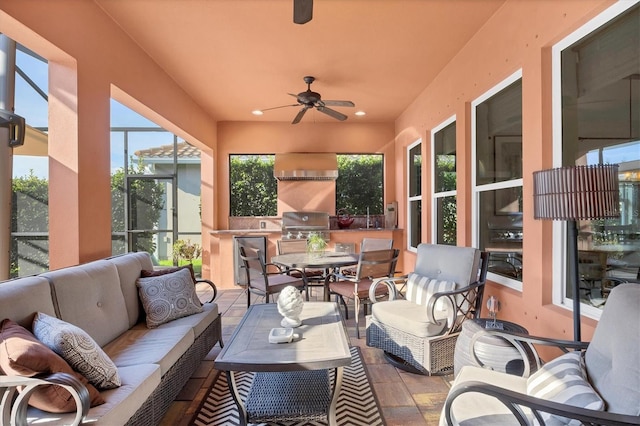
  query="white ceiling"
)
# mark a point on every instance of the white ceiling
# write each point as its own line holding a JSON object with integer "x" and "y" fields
{"x": 234, "y": 56}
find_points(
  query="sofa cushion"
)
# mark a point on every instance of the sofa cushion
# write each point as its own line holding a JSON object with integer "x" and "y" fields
{"x": 89, "y": 296}
{"x": 129, "y": 266}
{"x": 142, "y": 345}
{"x": 564, "y": 380}
{"x": 139, "y": 382}
{"x": 76, "y": 347}
{"x": 21, "y": 298}
{"x": 167, "y": 297}
{"x": 21, "y": 354}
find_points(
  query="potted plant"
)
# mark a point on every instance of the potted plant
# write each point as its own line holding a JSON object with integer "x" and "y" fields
{"x": 316, "y": 244}
{"x": 186, "y": 251}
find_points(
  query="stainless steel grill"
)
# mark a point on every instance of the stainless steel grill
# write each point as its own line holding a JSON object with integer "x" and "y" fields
{"x": 298, "y": 225}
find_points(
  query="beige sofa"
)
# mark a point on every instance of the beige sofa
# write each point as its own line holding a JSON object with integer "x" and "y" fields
{"x": 102, "y": 299}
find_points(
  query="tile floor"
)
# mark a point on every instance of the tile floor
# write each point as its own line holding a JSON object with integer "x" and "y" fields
{"x": 405, "y": 398}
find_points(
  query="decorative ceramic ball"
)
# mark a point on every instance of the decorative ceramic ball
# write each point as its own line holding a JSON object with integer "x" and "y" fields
{"x": 290, "y": 305}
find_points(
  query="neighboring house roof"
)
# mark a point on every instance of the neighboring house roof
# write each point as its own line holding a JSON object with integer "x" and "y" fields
{"x": 166, "y": 152}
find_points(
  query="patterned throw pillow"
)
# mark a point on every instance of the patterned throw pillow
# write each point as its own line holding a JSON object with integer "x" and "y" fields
{"x": 21, "y": 354}
{"x": 168, "y": 297}
{"x": 76, "y": 347}
{"x": 420, "y": 289}
{"x": 564, "y": 380}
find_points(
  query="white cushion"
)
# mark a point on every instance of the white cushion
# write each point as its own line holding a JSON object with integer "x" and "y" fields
{"x": 168, "y": 297}
{"x": 76, "y": 347}
{"x": 564, "y": 380}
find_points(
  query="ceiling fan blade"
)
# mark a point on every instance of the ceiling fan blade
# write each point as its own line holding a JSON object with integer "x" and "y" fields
{"x": 339, "y": 103}
{"x": 300, "y": 115}
{"x": 302, "y": 11}
{"x": 281, "y": 106}
{"x": 333, "y": 113}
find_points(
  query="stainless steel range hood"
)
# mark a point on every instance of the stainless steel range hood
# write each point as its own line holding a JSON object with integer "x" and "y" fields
{"x": 302, "y": 166}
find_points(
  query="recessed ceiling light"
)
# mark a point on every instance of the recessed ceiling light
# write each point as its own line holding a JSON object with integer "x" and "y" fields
{"x": 256, "y": 112}
{"x": 360, "y": 113}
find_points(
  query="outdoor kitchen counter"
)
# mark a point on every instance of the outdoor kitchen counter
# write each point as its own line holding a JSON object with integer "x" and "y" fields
{"x": 221, "y": 247}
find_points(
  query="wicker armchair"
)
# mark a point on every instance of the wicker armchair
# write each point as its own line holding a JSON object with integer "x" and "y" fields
{"x": 595, "y": 383}
{"x": 419, "y": 333}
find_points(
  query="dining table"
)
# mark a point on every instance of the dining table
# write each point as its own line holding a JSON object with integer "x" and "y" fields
{"x": 327, "y": 260}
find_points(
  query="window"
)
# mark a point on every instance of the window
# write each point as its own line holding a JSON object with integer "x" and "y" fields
{"x": 254, "y": 190}
{"x": 597, "y": 121}
{"x": 497, "y": 121}
{"x": 29, "y": 253}
{"x": 360, "y": 183}
{"x": 414, "y": 191}
{"x": 444, "y": 183}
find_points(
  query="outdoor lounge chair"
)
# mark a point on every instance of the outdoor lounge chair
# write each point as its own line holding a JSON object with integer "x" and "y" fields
{"x": 419, "y": 333}
{"x": 597, "y": 383}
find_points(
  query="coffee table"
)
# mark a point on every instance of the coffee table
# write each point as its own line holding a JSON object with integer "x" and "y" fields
{"x": 292, "y": 381}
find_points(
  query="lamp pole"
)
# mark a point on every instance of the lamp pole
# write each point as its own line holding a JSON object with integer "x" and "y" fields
{"x": 7, "y": 92}
{"x": 572, "y": 226}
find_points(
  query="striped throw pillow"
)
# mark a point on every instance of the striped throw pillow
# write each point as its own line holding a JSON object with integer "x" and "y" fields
{"x": 564, "y": 380}
{"x": 420, "y": 289}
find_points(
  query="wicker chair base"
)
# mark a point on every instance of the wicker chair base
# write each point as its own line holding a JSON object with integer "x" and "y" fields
{"x": 156, "y": 406}
{"x": 428, "y": 356}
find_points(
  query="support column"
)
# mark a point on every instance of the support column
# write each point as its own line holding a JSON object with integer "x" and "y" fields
{"x": 7, "y": 93}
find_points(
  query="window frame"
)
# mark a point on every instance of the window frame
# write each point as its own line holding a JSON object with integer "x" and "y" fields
{"x": 478, "y": 190}
{"x": 414, "y": 198}
{"x": 435, "y": 196}
{"x": 559, "y": 228}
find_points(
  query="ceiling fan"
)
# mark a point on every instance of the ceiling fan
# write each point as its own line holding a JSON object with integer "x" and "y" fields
{"x": 310, "y": 99}
{"x": 302, "y": 11}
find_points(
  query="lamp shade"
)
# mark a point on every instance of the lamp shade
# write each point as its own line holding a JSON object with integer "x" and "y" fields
{"x": 576, "y": 193}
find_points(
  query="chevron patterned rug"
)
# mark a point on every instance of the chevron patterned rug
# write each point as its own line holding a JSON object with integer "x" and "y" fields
{"x": 357, "y": 404}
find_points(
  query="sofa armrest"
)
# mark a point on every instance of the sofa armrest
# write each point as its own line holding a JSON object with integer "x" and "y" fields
{"x": 514, "y": 401}
{"x": 213, "y": 287}
{"x": 14, "y": 404}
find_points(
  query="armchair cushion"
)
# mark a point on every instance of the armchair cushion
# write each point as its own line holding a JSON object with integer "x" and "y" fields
{"x": 407, "y": 316}
{"x": 564, "y": 380}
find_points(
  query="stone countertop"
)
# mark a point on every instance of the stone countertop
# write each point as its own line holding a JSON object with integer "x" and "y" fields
{"x": 279, "y": 231}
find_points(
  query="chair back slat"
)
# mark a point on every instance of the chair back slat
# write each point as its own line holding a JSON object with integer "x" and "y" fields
{"x": 292, "y": 246}
{"x": 377, "y": 263}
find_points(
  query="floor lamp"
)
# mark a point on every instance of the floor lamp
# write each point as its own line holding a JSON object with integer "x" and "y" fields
{"x": 572, "y": 194}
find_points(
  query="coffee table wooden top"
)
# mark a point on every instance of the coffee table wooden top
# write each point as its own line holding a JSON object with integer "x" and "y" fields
{"x": 322, "y": 341}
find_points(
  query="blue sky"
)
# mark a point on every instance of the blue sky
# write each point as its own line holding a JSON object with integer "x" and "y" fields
{"x": 32, "y": 106}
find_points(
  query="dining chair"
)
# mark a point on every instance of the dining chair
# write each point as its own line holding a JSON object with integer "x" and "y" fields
{"x": 265, "y": 279}
{"x": 372, "y": 266}
{"x": 371, "y": 244}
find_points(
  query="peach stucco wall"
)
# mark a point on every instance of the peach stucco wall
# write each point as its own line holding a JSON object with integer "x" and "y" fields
{"x": 90, "y": 61}
{"x": 519, "y": 36}
{"x": 304, "y": 137}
